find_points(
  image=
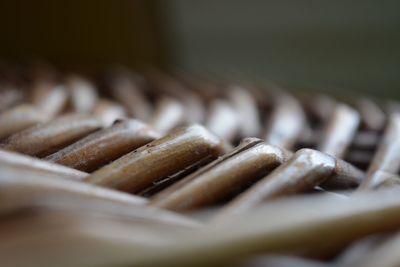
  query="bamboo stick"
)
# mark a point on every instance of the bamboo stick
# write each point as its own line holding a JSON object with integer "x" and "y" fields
{"x": 31, "y": 163}
{"x": 139, "y": 169}
{"x": 19, "y": 118}
{"x": 220, "y": 180}
{"x": 101, "y": 147}
{"x": 387, "y": 156}
{"x": 339, "y": 131}
{"x": 286, "y": 122}
{"x": 44, "y": 139}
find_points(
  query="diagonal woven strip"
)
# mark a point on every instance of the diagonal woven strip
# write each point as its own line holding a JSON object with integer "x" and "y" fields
{"x": 157, "y": 170}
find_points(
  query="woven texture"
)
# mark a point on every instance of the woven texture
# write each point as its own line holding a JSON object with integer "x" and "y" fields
{"x": 158, "y": 170}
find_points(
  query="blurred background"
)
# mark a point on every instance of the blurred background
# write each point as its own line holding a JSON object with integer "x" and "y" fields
{"x": 322, "y": 45}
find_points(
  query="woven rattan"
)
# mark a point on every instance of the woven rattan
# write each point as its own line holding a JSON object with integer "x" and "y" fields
{"x": 121, "y": 169}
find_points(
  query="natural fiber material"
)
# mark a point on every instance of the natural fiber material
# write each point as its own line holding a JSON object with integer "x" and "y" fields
{"x": 157, "y": 170}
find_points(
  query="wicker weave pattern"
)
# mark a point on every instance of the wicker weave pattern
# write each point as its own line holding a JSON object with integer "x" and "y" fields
{"x": 121, "y": 170}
